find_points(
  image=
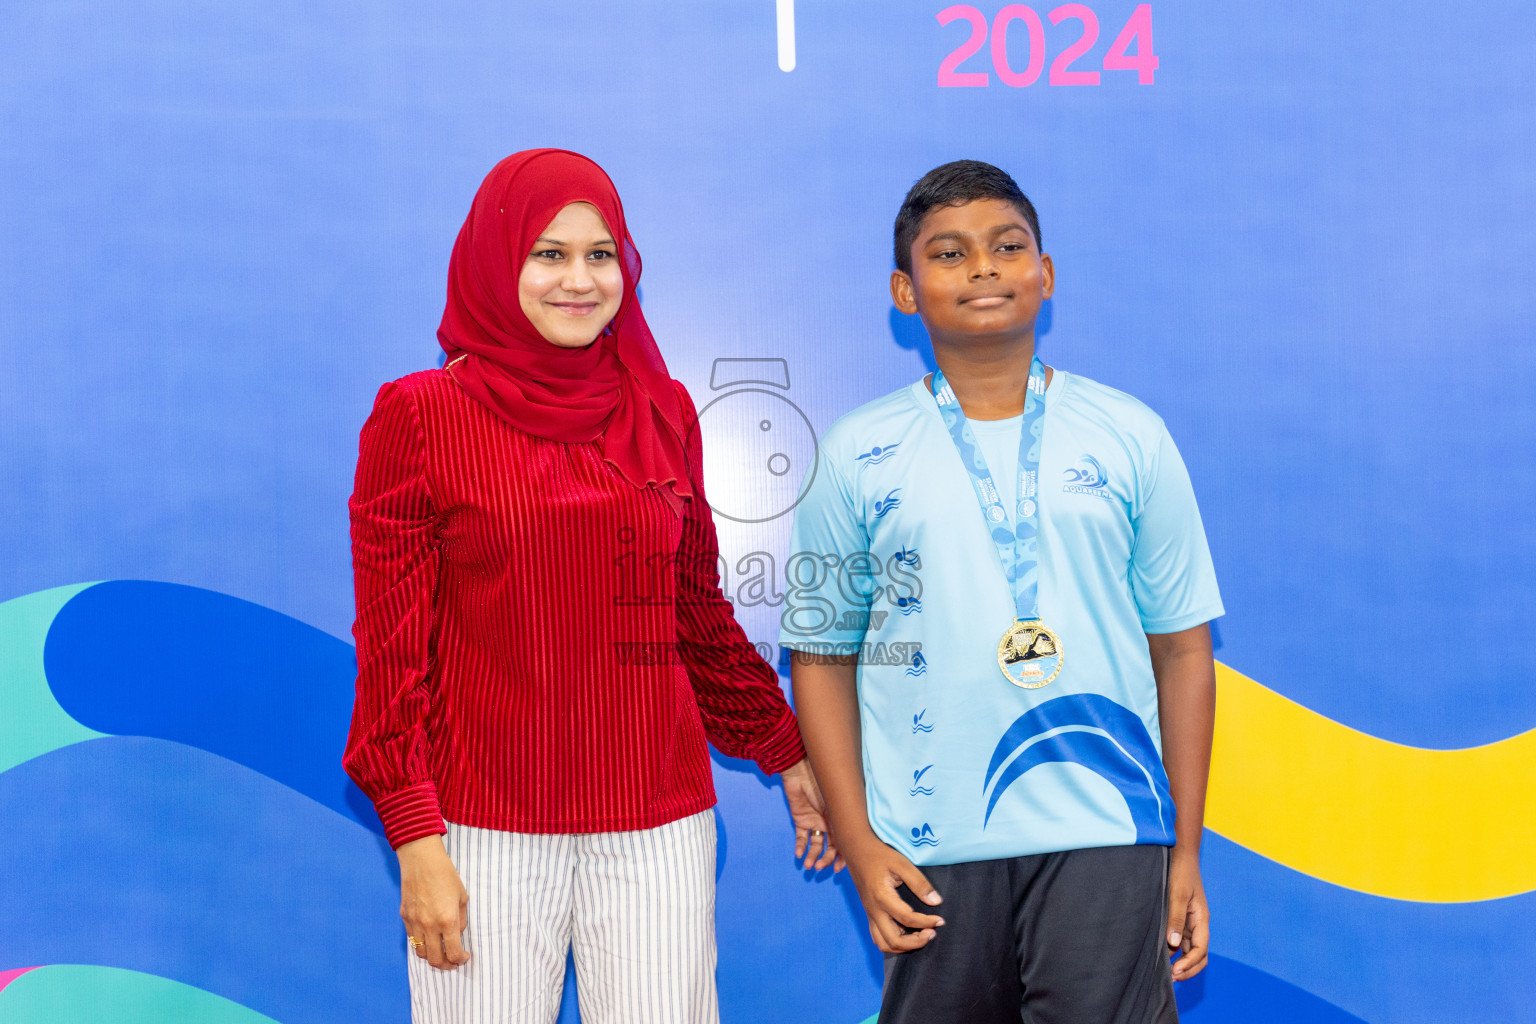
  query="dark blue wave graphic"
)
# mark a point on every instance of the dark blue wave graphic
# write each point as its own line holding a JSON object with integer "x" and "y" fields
{"x": 1153, "y": 820}
{"x": 1127, "y": 761}
{"x": 1087, "y": 709}
{"x": 157, "y": 857}
{"x": 135, "y": 658}
{"x": 1228, "y": 992}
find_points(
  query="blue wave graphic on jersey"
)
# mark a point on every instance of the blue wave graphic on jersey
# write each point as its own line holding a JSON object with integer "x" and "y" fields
{"x": 1120, "y": 750}
{"x": 906, "y": 556}
{"x": 918, "y": 725}
{"x": 878, "y": 454}
{"x": 924, "y": 836}
{"x": 1090, "y": 475}
{"x": 908, "y": 605}
{"x": 919, "y": 665}
{"x": 890, "y": 501}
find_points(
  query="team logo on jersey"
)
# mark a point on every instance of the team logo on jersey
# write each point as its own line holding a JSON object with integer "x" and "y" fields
{"x": 918, "y": 725}
{"x": 1087, "y": 477}
{"x": 924, "y": 836}
{"x": 918, "y": 789}
{"x": 878, "y": 454}
{"x": 919, "y": 666}
{"x": 885, "y": 504}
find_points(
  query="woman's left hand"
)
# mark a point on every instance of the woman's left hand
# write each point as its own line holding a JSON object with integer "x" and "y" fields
{"x": 808, "y": 810}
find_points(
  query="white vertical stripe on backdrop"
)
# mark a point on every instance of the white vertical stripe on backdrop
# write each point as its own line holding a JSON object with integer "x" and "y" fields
{"x": 786, "y": 18}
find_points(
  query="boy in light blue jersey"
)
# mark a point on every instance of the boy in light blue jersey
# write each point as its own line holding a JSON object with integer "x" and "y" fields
{"x": 999, "y": 602}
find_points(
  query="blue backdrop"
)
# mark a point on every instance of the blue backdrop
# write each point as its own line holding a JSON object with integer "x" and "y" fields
{"x": 1302, "y": 242}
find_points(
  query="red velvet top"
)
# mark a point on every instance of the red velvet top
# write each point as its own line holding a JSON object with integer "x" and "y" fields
{"x": 541, "y": 646}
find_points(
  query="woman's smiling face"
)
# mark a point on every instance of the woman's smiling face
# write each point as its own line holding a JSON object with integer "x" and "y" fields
{"x": 571, "y": 283}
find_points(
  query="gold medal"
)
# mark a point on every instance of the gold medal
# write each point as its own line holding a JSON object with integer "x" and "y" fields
{"x": 1029, "y": 654}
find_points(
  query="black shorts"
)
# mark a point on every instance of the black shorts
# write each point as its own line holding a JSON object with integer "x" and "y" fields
{"x": 1055, "y": 938}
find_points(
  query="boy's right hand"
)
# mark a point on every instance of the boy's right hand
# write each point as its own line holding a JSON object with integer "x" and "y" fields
{"x": 878, "y": 871}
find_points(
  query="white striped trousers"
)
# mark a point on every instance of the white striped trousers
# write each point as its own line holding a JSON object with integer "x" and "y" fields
{"x": 637, "y": 909}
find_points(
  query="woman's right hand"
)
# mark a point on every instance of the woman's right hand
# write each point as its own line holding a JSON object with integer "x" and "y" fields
{"x": 433, "y": 902}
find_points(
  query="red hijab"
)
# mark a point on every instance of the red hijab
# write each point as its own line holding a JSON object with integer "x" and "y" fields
{"x": 615, "y": 391}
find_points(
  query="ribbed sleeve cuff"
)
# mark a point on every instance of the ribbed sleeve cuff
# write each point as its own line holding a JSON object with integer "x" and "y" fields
{"x": 410, "y": 813}
{"x": 781, "y": 747}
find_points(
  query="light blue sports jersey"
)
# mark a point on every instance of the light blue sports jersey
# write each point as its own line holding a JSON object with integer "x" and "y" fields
{"x": 891, "y": 559}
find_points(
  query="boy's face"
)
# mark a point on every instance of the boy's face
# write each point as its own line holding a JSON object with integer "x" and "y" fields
{"x": 977, "y": 274}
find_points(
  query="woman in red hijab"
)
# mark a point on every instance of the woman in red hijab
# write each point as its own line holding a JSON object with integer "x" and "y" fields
{"x": 542, "y": 644}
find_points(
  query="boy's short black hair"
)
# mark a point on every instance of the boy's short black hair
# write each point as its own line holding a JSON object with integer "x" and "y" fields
{"x": 955, "y": 184}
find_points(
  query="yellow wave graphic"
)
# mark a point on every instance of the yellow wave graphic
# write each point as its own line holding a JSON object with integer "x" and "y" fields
{"x": 1435, "y": 826}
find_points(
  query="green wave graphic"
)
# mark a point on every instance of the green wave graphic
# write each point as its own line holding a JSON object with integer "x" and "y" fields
{"x": 84, "y": 994}
{"x": 31, "y": 721}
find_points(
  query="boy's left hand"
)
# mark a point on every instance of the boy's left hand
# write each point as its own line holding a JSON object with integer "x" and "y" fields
{"x": 1189, "y": 917}
{"x": 808, "y": 810}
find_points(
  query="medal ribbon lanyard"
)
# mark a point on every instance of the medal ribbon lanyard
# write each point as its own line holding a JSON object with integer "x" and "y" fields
{"x": 1018, "y": 550}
